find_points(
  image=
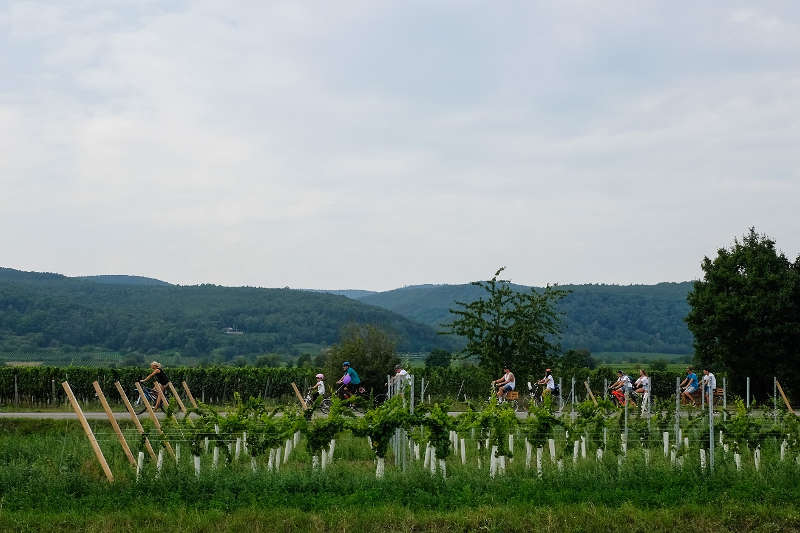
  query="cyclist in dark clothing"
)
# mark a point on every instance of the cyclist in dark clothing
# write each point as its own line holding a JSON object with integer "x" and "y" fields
{"x": 161, "y": 379}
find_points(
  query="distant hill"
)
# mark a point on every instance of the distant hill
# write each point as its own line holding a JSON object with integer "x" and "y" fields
{"x": 124, "y": 314}
{"x": 601, "y": 318}
{"x": 354, "y": 294}
{"x": 123, "y": 280}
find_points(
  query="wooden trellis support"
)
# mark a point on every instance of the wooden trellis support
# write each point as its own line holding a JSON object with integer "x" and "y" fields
{"x": 177, "y": 398}
{"x": 89, "y": 434}
{"x": 591, "y": 394}
{"x": 154, "y": 418}
{"x": 785, "y": 399}
{"x": 135, "y": 419}
{"x": 110, "y": 415}
{"x": 299, "y": 396}
{"x": 189, "y": 395}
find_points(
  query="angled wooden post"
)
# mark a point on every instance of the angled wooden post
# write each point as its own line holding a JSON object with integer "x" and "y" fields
{"x": 589, "y": 390}
{"x": 177, "y": 398}
{"x": 785, "y": 399}
{"x": 114, "y": 424}
{"x": 93, "y": 441}
{"x": 160, "y": 390}
{"x": 299, "y": 396}
{"x": 154, "y": 418}
{"x": 135, "y": 419}
{"x": 189, "y": 395}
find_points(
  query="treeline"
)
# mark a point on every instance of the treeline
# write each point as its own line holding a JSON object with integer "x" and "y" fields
{"x": 42, "y": 385}
{"x": 48, "y": 313}
{"x": 600, "y": 318}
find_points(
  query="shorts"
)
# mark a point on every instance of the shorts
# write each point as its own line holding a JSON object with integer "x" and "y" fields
{"x": 690, "y": 389}
{"x": 508, "y": 387}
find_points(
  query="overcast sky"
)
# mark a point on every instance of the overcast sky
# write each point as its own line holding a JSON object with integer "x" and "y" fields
{"x": 372, "y": 145}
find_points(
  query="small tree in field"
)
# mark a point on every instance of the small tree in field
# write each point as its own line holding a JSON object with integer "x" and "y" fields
{"x": 509, "y": 327}
{"x": 371, "y": 352}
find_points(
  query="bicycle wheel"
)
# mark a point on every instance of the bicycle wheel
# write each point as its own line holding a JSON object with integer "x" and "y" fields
{"x": 325, "y": 406}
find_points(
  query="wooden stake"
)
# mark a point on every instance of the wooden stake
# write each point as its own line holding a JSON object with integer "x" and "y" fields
{"x": 114, "y": 424}
{"x": 189, "y": 395}
{"x": 135, "y": 419}
{"x": 154, "y": 418}
{"x": 589, "y": 390}
{"x": 160, "y": 390}
{"x": 177, "y": 398}
{"x": 299, "y": 396}
{"x": 785, "y": 400}
{"x": 93, "y": 441}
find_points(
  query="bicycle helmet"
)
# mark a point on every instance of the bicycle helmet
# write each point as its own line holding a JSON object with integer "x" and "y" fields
{"x": 320, "y": 376}
{"x": 346, "y": 363}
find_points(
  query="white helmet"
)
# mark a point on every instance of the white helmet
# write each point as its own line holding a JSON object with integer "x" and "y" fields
{"x": 319, "y": 376}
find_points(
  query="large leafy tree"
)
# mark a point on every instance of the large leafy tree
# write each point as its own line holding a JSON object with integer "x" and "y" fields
{"x": 745, "y": 314}
{"x": 371, "y": 352}
{"x": 511, "y": 327}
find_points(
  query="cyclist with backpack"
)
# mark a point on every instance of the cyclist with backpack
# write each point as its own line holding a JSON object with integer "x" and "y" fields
{"x": 350, "y": 380}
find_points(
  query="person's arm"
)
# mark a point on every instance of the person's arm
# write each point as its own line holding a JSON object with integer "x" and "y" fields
{"x": 153, "y": 373}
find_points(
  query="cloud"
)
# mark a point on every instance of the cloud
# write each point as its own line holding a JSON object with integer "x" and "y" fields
{"x": 361, "y": 144}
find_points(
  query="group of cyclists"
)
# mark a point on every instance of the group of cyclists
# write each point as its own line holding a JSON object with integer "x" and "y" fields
{"x": 623, "y": 390}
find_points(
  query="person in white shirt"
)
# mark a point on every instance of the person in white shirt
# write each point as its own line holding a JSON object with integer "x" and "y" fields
{"x": 709, "y": 384}
{"x": 642, "y": 386}
{"x": 548, "y": 382}
{"x": 401, "y": 376}
{"x": 506, "y": 383}
{"x": 318, "y": 389}
{"x": 621, "y": 386}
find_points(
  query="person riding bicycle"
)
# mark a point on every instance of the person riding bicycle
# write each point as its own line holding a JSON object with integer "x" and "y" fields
{"x": 621, "y": 386}
{"x": 401, "y": 376}
{"x": 709, "y": 384}
{"x": 690, "y": 382}
{"x": 317, "y": 389}
{"x": 642, "y": 387}
{"x": 161, "y": 379}
{"x": 350, "y": 381}
{"x": 548, "y": 382}
{"x": 506, "y": 383}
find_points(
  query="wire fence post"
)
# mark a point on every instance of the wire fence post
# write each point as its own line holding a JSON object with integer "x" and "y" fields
{"x": 422, "y": 391}
{"x": 711, "y": 431}
{"x": 775, "y": 397}
{"x": 626, "y": 417}
{"x": 605, "y": 388}
{"x": 677, "y": 409}
{"x": 560, "y": 396}
{"x": 411, "y": 405}
{"x": 572, "y": 409}
{"x": 724, "y": 398}
{"x": 748, "y": 392}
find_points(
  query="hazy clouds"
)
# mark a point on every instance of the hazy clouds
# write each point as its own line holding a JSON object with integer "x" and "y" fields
{"x": 368, "y": 144}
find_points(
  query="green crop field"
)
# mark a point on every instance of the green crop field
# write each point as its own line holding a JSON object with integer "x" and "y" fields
{"x": 392, "y": 470}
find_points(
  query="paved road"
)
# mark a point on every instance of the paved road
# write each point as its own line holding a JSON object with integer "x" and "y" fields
{"x": 63, "y": 415}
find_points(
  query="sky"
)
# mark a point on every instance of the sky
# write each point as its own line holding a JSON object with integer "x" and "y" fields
{"x": 374, "y": 144}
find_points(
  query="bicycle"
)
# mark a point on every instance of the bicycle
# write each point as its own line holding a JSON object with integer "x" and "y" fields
{"x": 511, "y": 398}
{"x": 152, "y": 398}
{"x": 324, "y": 404}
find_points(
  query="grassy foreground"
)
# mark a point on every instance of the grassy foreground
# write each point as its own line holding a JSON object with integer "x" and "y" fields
{"x": 50, "y": 481}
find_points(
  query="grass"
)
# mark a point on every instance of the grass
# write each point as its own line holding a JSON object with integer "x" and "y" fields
{"x": 50, "y": 480}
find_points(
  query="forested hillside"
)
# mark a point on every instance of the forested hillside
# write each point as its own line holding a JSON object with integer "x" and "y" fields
{"x": 601, "y": 318}
{"x": 50, "y": 312}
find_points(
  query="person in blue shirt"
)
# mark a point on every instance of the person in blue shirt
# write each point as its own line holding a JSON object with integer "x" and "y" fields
{"x": 350, "y": 380}
{"x": 691, "y": 385}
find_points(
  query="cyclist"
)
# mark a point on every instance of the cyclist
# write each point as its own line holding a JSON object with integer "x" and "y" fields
{"x": 350, "y": 380}
{"x": 506, "y": 383}
{"x": 548, "y": 382}
{"x": 642, "y": 387}
{"x": 621, "y": 386}
{"x": 318, "y": 389}
{"x": 400, "y": 375}
{"x": 709, "y": 384}
{"x": 691, "y": 386}
{"x": 161, "y": 379}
